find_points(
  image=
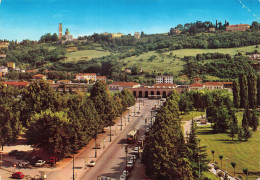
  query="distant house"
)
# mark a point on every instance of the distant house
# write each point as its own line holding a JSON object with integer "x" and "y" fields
{"x": 254, "y": 56}
{"x": 39, "y": 76}
{"x": 11, "y": 65}
{"x": 3, "y": 71}
{"x": 128, "y": 70}
{"x": 117, "y": 35}
{"x": 212, "y": 29}
{"x": 196, "y": 80}
{"x": 2, "y": 56}
{"x": 4, "y": 44}
{"x": 238, "y": 27}
{"x": 87, "y": 76}
{"x": 102, "y": 78}
{"x": 213, "y": 85}
{"x": 50, "y": 81}
{"x": 164, "y": 79}
{"x": 137, "y": 35}
{"x": 32, "y": 71}
{"x": 196, "y": 86}
{"x": 64, "y": 82}
{"x": 119, "y": 86}
{"x": 19, "y": 85}
{"x": 176, "y": 31}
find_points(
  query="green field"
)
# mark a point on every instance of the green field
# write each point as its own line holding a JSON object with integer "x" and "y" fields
{"x": 85, "y": 55}
{"x": 244, "y": 154}
{"x": 165, "y": 63}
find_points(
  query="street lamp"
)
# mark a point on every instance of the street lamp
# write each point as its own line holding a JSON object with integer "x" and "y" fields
{"x": 110, "y": 132}
{"x": 129, "y": 117}
{"x": 128, "y": 113}
{"x": 126, "y": 151}
{"x": 96, "y": 144}
{"x": 145, "y": 120}
{"x": 226, "y": 165}
{"x": 139, "y": 104}
{"x": 121, "y": 123}
{"x": 73, "y": 177}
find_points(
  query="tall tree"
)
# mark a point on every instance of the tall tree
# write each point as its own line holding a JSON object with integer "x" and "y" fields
{"x": 236, "y": 94}
{"x": 252, "y": 82}
{"x": 254, "y": 123}
{"x": 243, "y": 91}
{"x": 258, "y": 90}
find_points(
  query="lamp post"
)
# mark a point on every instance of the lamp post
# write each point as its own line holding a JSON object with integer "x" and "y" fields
{"x": 139, "y": 104}
{"x": 145, "y": 120}
{"x": 126, "y": 151}
{"x": 121, "y": 123}
{"x": 226, "y": 165}
{"x": 73, "y": 177}
{"x": 128, "y": 113}
{"x": 96, "y": 144}
{"x": 129, "y": 117}
{"x": 110, "y": 132}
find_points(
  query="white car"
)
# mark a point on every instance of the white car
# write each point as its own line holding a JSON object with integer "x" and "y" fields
{"x": 122, "y": 177}
{"x": 40, "y": 163}
{"x": 130, "y": 164}
{"x": 92, "y": 163}
{"x": 133, "y": 158}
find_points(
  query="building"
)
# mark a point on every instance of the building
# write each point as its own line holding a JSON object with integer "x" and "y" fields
{"x": 3, "y": 71}
{"x": 254, "y": 57}
{"x": 32, "y": 71}
{"x": 137, "y": 35}
{"x": 164, "y": 85}
{"x": 64, "y": 82}
{"x": 119, "y": 86}
{"x": 212, "y": 29}
{"x": 39, "y": 76}
{"x": 213, "y": 85}
{"x": 87, "y": 76}
{"x": 117, "y": 35}
{"x": 11, "y": 65}
{"x": 4, "y": 44}
{"x": 67, "y": 36}
{"x": 128, "y": 70}
{"x": 197, "y": 80}
{"x": 176, "y": 31}
{"x": 2, "y": 56}
{"x": 164, "y": 79}
{"x": 19, "y": 85}
{"x": 196, "y": 86}
{"x": 238, "y": 27}
{"x": 102, "y": 78}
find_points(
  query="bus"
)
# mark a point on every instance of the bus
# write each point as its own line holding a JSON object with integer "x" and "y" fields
{"x": 132, "y": 136}
{"x": 154, "y": 97}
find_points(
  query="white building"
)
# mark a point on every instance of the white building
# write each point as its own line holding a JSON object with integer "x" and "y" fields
{"x": 87, "y": 76}
{"x": 164, "y": 79}
{"x": 3, "y": 71}
{"x": 119, "y": 86}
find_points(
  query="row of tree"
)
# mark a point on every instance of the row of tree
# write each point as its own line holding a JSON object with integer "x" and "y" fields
{"x": 166, "y": 156}
{"x": 58, "y": 123}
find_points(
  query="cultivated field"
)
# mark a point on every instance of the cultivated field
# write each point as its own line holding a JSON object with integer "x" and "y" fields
{"x": 85, "y": 55}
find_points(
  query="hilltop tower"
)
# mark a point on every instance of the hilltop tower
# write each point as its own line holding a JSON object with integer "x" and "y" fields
{"x": 60, "y": 30}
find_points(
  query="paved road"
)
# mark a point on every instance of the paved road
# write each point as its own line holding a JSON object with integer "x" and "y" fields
{"x": 112, "y": 162}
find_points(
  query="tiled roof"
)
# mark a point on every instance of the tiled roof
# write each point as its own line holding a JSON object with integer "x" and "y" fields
{"x": 32, "y": 70}
{"x": 124, "y": 83}
{"x": 196, "y": 85}
{"x": 17, "y": 83}
{"x": 165, "y": 84}
{"x": 101, "y": 77}
{"x": 39, "y": 75}
{"x": 85, "y": 74}
{"x": 213, "y": 84}
{"x": 239, "y": 25}
{"x": 3, "y": 67}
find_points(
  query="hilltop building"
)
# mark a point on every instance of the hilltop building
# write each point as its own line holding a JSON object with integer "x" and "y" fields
{"x": 137, "y": 35}
{"x": 4, "y": 44}
{"x": 164, "y": 79}
{"x": 3, "y": 71}
{"x": 238, "y": 27}
{"x": 67, "y": 36}
{"x": 11, "y": 65}
{"x": 117, "y": 35}
{"x": 60, "y": 30}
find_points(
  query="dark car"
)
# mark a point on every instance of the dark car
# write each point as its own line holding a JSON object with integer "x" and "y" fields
{"x": 18, "y": 175}
{"x": 12, "y": 153}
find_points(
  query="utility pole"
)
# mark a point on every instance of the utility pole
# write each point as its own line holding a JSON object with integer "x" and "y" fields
{"x": 73, "y": 177}
{"x": 110, "y": 132}
{"x": 121, "y": 123}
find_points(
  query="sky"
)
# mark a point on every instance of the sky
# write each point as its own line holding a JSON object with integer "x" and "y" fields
{"x": 30, "y": 19}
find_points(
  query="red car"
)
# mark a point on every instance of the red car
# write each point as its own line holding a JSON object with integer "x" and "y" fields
{"x": 18, "y": 175}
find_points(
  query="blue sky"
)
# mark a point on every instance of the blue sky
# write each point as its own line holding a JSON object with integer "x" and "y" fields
{"x": 29, "y": 19}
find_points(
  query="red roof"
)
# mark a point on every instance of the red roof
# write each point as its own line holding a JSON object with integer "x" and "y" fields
{"x": 101, "y": 77}
{"x": 39, "y": 75}
{"x": 124, "y": 83}
{"x": 213, "y": 84}
{"x": 165, "y": 84}
{"x": 239, "y": 25}
{"x": 85, "y": 74}
{"x": 196, "y": 85}
{"x": 17, "y": 83}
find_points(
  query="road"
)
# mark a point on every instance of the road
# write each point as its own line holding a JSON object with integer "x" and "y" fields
{"x": 111, "y": 160}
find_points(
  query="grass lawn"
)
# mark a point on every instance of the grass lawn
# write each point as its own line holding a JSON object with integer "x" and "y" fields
{"x": 244, "y": 154}
{"x": 85, "y": 55}
{"x": 232, "y": 51}
{"x": 190, "y": 115}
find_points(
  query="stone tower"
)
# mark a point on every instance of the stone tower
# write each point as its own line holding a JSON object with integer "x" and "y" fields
{"x": 60, "y": 30}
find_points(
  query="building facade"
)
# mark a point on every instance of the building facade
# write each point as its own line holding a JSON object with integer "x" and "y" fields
{"x": 164, "y": 79}
{"x": 87, "y": 76}
{"x": 3, "y": 71}
{"x": 119, "y": 86}
{"x": 238, "y": 27}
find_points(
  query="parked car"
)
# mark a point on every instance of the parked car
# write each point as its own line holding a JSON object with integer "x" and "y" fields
{"x": 12, "y": 153}
{"x": 34, "y": 159}
{"x": 130, "y": 164}
{"x": 40, "y": 163}
{"x": 23, "y": 164}
{"x": 52, "y": 160}
{"x": 18, "y": 175}
{"x": 133, "y": 158}
{"x": 125, "y": 173}
{"x": 92, "y": 163}
{"x": 122, "y": 177}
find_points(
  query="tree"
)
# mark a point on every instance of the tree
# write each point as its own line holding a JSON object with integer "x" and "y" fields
{"x": 233, "y": 164}
{"x": 236, "y": 94}
{"x": 258, "y": 90}
{"x": 245, "y": 171}
{"x": 213, "y": 152}
{"x": 232, "y": 130}
{"x": 254, "y": 120}
{"x": 243, "y": 91}
{"x": 252, "y": 82}
{"x": 171, "y": 31}
{"x": 221, "y": 157}
{"x": 142, "y": 34}
{"x": 55, "y": 37}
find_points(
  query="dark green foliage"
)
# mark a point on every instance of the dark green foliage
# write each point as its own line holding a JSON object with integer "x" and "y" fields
{"x": 258, "y": 90}
{"x": 254, "y": 123}
{"x": 236, "y": 94}
{"x": 252, "y": 82}
{"x": 233, "y": 164}
{"x": 243, "y": 91}
{"x": 221, "y": 157}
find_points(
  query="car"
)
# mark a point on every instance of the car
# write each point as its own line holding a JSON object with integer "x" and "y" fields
{"x": 18, "y": 175}
{"x": 52, "y": 160}
{"x": 133, "y": 158}
{"x": 130, "y": 164}
{"x": 40, "y": 163}
{"x": 23, "y": 164}
{"x": 125, "y": 173}
{"x": 122, "y": 177}
{"x": 103, "y": 178}
{"x": 12, "y": 153}
{"x": 92, "y": 163}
